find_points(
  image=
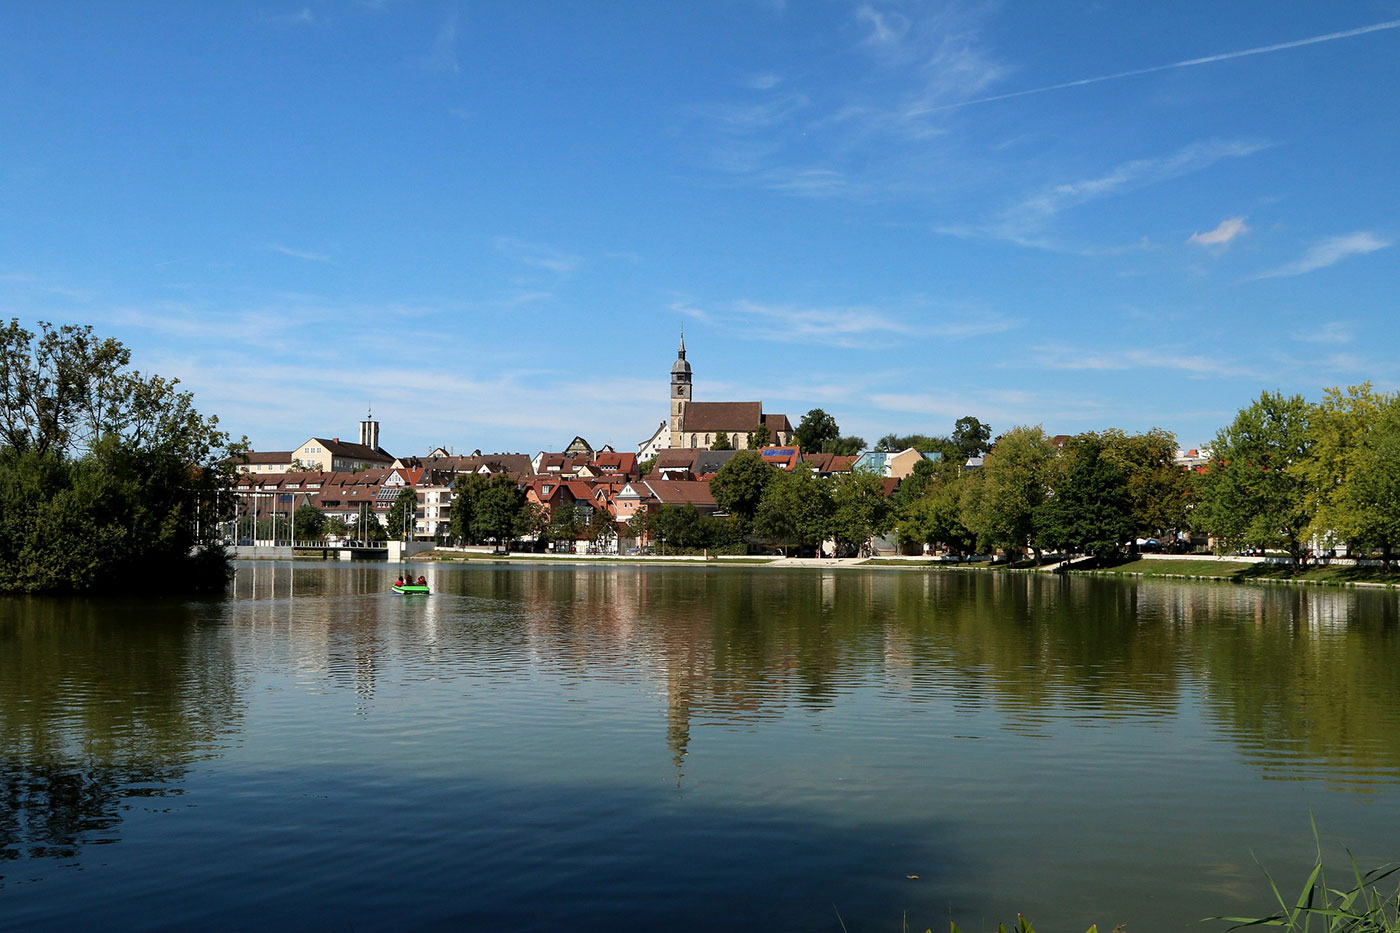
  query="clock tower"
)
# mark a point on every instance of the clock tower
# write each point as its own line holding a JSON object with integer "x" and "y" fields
{"x": 680, "y": 391}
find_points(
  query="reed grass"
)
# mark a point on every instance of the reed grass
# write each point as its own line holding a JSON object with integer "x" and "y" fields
{"x": 1363, "y": 907}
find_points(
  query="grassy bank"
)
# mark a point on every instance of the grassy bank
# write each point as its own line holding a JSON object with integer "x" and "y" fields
{"x": 1245, "y": 571}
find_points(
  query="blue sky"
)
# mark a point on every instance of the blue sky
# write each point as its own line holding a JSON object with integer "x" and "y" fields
{"x": 490, "y": 220}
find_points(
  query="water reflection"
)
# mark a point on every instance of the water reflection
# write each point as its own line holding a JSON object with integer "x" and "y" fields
{"x": 1301, "y": 680}
{"x": 101, "y": 703}
{"x": 928, "y": 712}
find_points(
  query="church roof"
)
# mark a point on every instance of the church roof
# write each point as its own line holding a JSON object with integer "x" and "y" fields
{"x": 739, "y": 417}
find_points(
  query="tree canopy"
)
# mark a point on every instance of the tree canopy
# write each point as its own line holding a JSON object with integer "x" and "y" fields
{"x": 739, "y": 484}
{"x": 1013, "y": 483}
{"x": 1255, "y": 491}
{"x": 104, "y": 471}
{"x": 816, "y": 431}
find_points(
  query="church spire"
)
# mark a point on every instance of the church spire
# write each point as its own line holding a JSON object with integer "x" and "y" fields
{"x": 680, "y": 354}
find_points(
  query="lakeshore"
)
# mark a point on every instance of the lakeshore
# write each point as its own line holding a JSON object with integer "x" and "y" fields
{"x": 1187, "y": 567}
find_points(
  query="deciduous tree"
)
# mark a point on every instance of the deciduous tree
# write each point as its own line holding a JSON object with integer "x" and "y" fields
{"x": 104, "y": 472}
{"x": 1254, "y": 492}
{"x": 795, "y": 509}
{"x": 1000, "y": 507}
{"x": 816, "y": 430}
{"x": 1089, "y": 509}
{"x": 308, "y": 523}
{"x": 971, "y": 436}
{"x": 860, "y": 509}
{"x": 739, "y": 484}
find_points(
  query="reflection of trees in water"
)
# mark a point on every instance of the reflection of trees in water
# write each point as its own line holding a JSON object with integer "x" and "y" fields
{"x": 53, "y": 809}
{"x": 101, "y": 702}
{"x": 1295, "y": 675}
{"x": 1297, "y": 681}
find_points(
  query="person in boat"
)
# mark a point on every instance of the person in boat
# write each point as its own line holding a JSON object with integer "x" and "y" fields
{"x": 422, "y": 581}
{"x": 399, "y": 581}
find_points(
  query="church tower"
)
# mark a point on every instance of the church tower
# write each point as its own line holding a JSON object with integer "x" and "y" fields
{"x": 680, "y": 392}
{"x": 369, "y": 431}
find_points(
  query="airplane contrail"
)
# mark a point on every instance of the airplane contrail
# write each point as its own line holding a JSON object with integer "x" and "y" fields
{"x": 1190, "y": 62}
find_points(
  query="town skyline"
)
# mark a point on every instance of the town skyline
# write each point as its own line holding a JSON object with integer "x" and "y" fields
{"x": 491, "y": 224}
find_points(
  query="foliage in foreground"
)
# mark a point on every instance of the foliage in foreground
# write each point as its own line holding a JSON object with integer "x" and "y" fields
{"x": 108, "y": 478}
{"x": 1361, "y": 908}
{"x": 1022, "y": 926}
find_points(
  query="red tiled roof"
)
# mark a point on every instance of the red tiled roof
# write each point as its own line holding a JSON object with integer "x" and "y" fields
{"x": 681, "y": 492}
{"x": 679, "y": 458}
{"x": 269, "y": 456}
{"x": 738, "y": 417}
{"x": 778, "y": 423}
{"x": 338, "y": 448}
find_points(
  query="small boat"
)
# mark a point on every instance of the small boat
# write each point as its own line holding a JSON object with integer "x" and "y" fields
{"x": 409, "y": 589}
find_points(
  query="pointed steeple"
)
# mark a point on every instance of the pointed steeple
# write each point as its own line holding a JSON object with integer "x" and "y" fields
{"x": 680, "y": 354}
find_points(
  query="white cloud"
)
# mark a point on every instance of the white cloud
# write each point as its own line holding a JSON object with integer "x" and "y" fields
{"x": 536, "y": 254}
{"x": 839, "y": 327}
{"x": 1333, "y": 332}
{"x": 1221, "y": 235}
{"x": 300, "y": 253}
{"x": 1037, "y": 210}
{"x": 1188, "y": 63}
{"x": 883, "y": 28}
{"x": 1328, "y": 252}
{"x": 858, "y": 326}
{"x": 1195, "y": 365}
{"x": 442, "y": 57}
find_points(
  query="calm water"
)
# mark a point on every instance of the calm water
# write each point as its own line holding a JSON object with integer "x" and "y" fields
{"x": 577, "y": 748}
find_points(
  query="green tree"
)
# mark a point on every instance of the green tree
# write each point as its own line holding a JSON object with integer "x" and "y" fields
{"x": 104, "y": 472}
{"x": 1359, "y": 453}
{"x": 639, "y": 526}
{"x": 646, "y": 466}
{"x": 1000, "y": 507}
{"x": 914, "y": 486}
{"x": 816, "y": 431}
{"x": 795, "y": 510}
{"x": 1161, "y": 492}
{"x": 1342, "y": 431}
{"x": 971, "y": 436}
{"x": 739, "y": 484}
{"x": 1255, "y": 491}
{"x": 400, "y": 520}
{"x": 564, "y": 526}
{"x": 860, "y": 510}
{"x": 927, "y": 509}
{"x": 721, "y": 442}
{"x": 369, "y": 528}
{"x": 335, "y": 526}
{"x": 678, "y": 527}
{"x": 530, "y": 519}
{"x": 760, "y": 436}
{"x": 466, "y": 489}
{"x": 1089, "y": 510}
{"x": 893, "y": 443}
{"x": 498, "y": 509}
{"x": 601, "y": 526}
{"x": 308, "y": 523}
{"x": 846, "y": 446}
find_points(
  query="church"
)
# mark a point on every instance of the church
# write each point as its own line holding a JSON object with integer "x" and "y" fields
{"x": 697, "y": 424}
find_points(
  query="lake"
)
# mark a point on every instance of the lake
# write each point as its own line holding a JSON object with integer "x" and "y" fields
{"x": 616, "y": 747}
